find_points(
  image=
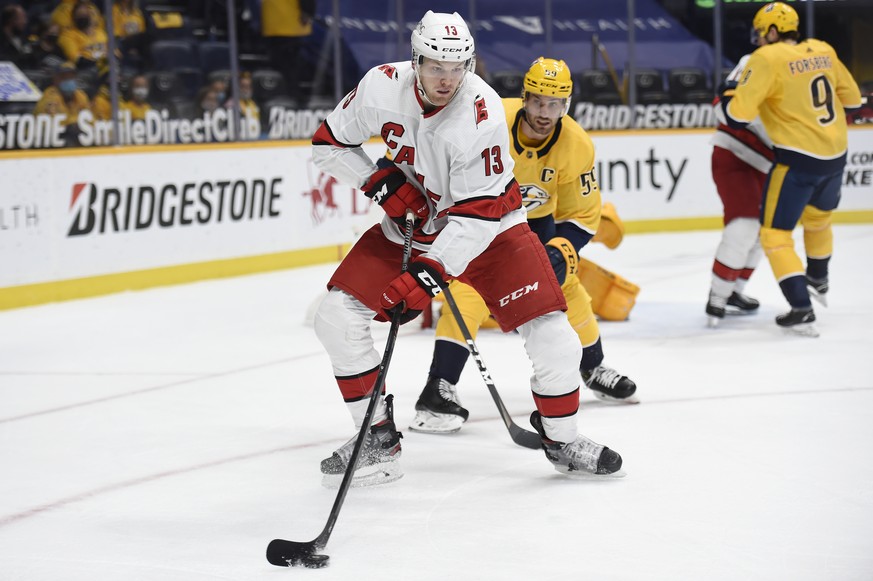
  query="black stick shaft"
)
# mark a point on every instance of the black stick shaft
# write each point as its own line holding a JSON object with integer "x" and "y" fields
{"x": 321, "y": 541}
{"x": 285, "y": 553}
{"x": 519, "y": 435}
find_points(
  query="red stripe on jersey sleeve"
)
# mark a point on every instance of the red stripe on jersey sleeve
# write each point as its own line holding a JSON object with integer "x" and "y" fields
{"x": 324, "y": 136}
{"x": 357, "y": 387}
{"x": 557, "y": 406}
{"x": 490, "y": 208}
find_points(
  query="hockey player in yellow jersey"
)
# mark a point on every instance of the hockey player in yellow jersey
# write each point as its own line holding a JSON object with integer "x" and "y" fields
{"x": 801, "y": 92}
{"x": 554, "y": 166}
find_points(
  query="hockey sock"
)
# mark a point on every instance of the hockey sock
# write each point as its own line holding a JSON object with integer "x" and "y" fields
{"x": 592, "y": 356}
{"x": 817, "y": 268}
{"x": 448, "y": 361}
{"x": 736, "y": 256}
{"x": 356, "y": 391}
{"x": 794, "y": 289}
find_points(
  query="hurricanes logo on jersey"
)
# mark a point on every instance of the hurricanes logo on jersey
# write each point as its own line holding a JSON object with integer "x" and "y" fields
{"x": 533, "y": 196}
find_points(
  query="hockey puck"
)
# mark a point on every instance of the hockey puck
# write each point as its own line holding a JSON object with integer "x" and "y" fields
{"x": 315, "y": 561}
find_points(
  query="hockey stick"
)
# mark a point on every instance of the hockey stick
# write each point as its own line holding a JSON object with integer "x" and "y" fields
{"x": 284, "y": 553}
{"x": 518, "y": 434}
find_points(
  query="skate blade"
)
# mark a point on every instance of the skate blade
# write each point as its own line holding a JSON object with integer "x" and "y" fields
{"x": 803, "y": 330}
{"x": 432, "y": 423}
{"x": 818, "y": 297}
{"x": 369, "y": 476}
{"x": 630, "y": 400}
{"x": 712, "y": 322}
{"x": 738, "y": 312}
{"x": 582, "y": 475}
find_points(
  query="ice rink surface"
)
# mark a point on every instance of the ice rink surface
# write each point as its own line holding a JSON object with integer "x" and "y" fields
{"x": 169, "y": 434}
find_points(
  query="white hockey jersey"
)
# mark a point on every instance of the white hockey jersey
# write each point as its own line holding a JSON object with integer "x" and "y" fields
{"x": 732, "y": 139}
{"x": 458, "y": 155}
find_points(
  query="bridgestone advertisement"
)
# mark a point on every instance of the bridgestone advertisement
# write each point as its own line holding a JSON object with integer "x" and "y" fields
{"x": 66, "y": 215}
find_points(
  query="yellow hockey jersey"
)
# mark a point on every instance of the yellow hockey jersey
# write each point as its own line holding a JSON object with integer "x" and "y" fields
{"x": 800, "y": 92}
{"x": 556, "y": 177}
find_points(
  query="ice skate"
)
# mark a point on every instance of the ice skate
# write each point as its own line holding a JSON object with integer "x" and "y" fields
{"x": 579, "y": 457}
{"x": 609, "y": 385}
{"x": 715, "y": 310}
{"x": 740, "y": 304}
{"x": 818, "y": 289}
{"x": 799, "y": 322}
{"x": 377, "y": 463}
{"x": 438, "y": 409}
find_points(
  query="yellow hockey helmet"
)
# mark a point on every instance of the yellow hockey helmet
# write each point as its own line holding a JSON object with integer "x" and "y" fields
{"x": 778, "y": 14}
{"x": 548, "y": 77}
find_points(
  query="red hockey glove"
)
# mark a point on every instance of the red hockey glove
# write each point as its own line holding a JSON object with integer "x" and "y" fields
{"x": 414, "y": 288}
{"x": 388, "y": 188}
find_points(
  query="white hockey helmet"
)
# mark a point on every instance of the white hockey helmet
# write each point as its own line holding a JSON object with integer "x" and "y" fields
{"x": 443, "y": 37}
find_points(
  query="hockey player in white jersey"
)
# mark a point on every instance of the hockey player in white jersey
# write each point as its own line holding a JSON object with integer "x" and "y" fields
{"x": 741, "y": 160}
{"x": 446, "y": 133}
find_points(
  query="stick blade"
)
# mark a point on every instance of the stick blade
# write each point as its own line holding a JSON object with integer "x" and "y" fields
{"x": 525, "y": 438}
{"x": 284, "y": 553}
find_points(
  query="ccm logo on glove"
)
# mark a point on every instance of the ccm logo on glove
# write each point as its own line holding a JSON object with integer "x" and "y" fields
{"x": 389, "y": 188}
{"x": 414, "y": 288}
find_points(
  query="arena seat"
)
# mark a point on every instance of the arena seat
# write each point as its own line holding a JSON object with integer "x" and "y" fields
{"x": 268, "y": 84}
{"x": 507, "y": 83}
{"x": 190, "y": 80}
{"x": 595, "y": 86}
{"x": 650, "y": 87}
{"x": 164, "y": 86}
{"x": 170, "y": 54}
{"x": 689, "y": 85}
{"x": 214, "y": 55}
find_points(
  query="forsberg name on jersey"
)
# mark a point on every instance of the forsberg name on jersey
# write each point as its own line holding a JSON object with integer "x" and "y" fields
{"x": 816, "y": 63}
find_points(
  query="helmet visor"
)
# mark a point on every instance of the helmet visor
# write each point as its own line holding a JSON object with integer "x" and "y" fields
{"x": 542, "y": 106}
{"x": 431, "y": 69}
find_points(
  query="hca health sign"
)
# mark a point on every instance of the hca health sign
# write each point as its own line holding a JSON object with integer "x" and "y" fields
{"x": 510, "y": 34}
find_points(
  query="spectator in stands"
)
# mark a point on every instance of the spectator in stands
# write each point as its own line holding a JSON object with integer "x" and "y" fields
{"x": 129, "y": 28}
{"x": 101, "y": 104}
{"x": 247, "y": 105}
{"x": 285, "y": 24}
{"x": 138, "y": 104}
{"x": 63, "y": 14}
{"x": 218, "y": 86}
{"x": 47, "y": 54}
{"x": 137, "y": 101}
{"x": 14, "y": 45}
{"x": 64, "y": 97}
{"x": 207, "y": 101}
{"x": 86, "y": 43}
{"x": 127, "y": 19}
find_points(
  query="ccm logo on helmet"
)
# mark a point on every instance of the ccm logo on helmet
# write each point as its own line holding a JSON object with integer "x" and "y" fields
{"x": 453, "y": 50}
